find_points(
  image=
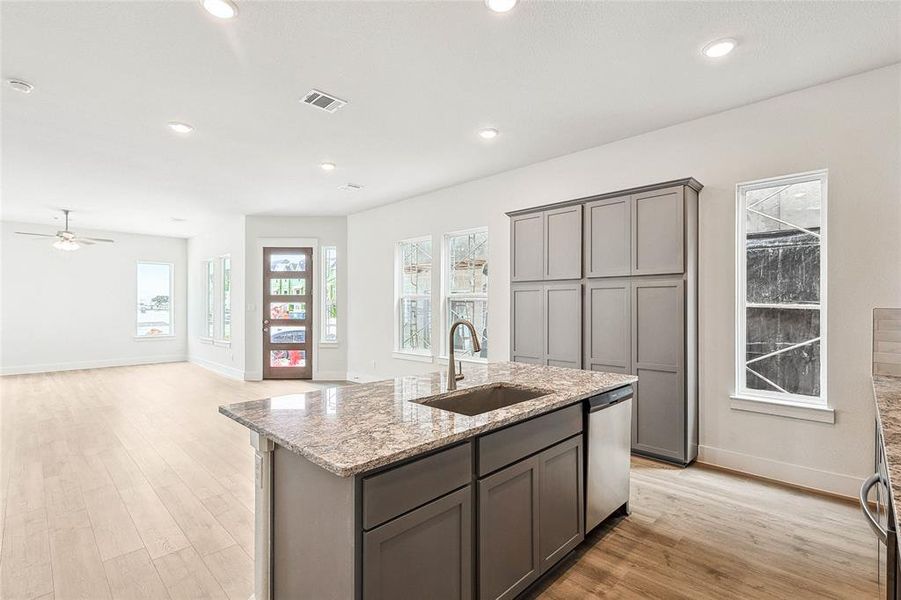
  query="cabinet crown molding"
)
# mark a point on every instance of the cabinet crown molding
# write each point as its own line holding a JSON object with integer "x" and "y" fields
{"x": 686, "y": 181}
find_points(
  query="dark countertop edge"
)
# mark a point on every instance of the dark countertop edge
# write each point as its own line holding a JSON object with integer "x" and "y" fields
{"x": 891, "y": 486}
{"x": 399, "y": 456}
{"x": 688, "y": 181}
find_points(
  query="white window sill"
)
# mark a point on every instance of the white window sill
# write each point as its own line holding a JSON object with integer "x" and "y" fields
{"x": 222, "y": 343}
{"x": 466, "y": 359}
{"x": 784, "y": 408}
{"x": 323, "y": 344}
{"x": 143, "y": 338}
{"x": 414, "y": 356}
{"x": 204, "y": 340}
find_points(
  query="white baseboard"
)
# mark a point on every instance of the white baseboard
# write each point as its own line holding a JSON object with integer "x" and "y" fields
{"x": 253, "y": 376}
{"x": 91, "y": 364}
{"x": 815, "y": 479}
{"x": 359, "y": 377}
{"x": 330, "y": 376}
{"x": 218, "y": 368}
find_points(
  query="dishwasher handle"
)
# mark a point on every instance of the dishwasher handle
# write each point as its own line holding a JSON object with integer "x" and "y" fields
{"x": 872, "y": 480}
{"x": 602, "y": 401}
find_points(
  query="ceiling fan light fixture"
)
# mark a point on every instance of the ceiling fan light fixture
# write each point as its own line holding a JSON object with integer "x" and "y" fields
{"x": 66, "y": 245}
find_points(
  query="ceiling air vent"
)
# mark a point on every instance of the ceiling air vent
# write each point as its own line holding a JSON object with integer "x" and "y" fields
{"x": 323, "y": 101}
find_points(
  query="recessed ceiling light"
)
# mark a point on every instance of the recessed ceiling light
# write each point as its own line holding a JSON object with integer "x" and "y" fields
{"x": 719, "y": 48}
{"x": 500, "y": 6}
{"x": 223, "y": 9}
{"x": 20, "y": 86}
{"x": 327, "y": 166}
{"x": 488, "y": 133}
{"x": 180, "y": 127}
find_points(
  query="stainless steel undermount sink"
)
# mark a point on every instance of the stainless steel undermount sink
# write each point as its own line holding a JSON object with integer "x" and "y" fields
{"x": 476, "y": 401}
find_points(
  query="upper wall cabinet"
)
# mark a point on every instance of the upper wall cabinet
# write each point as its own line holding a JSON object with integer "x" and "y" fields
{"x": 658, "y": 220}
{"x": 563, "y": 243}
{"x": 547, "y": 245}
{"x": 608, "y": 227}
{"x": 527, "y": 255}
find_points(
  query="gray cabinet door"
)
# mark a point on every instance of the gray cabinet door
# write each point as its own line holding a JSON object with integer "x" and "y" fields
{"x": 426, "y": 553}
{"x": 658, "y": 420}
{"x": 508, "y": 531}
{"x": 561, "y": 522}
{"x": 527, "y": 247}
{"x": 657, "y": 232}
{"x": 608, "y": 231}
{"x": 527, "y": 323}
{"x": 608, "y": 326}
{"x": 563, "y": 324}
{"x": 563, "y": 243}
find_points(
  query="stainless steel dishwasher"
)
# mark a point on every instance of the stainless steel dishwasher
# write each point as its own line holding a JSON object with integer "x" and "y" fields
{"x": 609, "y": 426}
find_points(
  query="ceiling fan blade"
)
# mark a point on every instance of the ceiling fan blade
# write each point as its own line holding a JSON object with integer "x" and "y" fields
{"x": 46, "y": 235}
{"x": 81, "y": 239}
{"x": 85, "y": 241}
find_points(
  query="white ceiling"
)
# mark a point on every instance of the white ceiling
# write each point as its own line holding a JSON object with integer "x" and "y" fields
{"x": 421, "y": 78}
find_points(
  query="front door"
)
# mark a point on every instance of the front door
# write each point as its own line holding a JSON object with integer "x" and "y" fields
{"x": 287, "y": 313}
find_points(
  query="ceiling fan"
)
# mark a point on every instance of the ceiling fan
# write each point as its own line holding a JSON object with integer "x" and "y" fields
{"x": 67, "y": 240}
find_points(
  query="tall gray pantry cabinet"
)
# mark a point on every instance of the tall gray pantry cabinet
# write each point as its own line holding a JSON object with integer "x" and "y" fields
{"x": 610, "y": 283}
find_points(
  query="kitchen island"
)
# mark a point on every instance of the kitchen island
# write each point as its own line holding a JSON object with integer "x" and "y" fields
{"x": 371, "y": 491}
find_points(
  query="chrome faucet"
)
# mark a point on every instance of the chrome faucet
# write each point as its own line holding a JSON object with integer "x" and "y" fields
{"x": 452, "y": 374}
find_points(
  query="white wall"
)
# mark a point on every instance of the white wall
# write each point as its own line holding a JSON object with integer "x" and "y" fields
{"x": 849, "y": 126}
{"x": 330, "y": 360}
{"x": 223, "y": 237}
{"x": 77, "y": 310}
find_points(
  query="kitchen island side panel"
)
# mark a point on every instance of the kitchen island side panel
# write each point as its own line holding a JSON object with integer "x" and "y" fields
{"x": 314, "y": 534}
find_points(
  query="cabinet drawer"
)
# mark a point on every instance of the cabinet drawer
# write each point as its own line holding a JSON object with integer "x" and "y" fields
{"x": 507, "y": 446}
{"x": 394, "y": 492}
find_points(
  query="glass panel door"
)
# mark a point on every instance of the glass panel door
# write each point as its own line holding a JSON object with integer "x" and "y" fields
{"x": 287, "y": 313}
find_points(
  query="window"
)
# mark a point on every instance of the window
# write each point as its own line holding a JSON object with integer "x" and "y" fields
{"x": 781, "y": 304}
{"x": 209, "y": 271}
{"x": 466, "y": 287}
{"x": 154, "y": 304}
{"x": 414, "y": 295}
{"x": 225, "y": 267}
{"x": 329, "y": 271}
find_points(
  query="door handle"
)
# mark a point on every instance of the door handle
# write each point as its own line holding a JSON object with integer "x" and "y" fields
{"x": 872, "y": 480}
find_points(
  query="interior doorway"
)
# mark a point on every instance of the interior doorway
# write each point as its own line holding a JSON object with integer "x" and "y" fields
{"x": 287, "y": 313}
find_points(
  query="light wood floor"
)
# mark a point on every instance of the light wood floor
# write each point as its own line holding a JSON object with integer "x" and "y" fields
{"x": 127, "y": 483}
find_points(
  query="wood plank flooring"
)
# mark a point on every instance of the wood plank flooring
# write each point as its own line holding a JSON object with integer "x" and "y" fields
{"x": 127, "y": 483}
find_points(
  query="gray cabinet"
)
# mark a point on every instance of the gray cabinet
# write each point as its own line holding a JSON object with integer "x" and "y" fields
{"x": 426, "y": 553}
{"x": 561, "y": 523}
{"x": 607, "y": 238}
{"x": 639, "y": 309}
{"x": 563, "y": 324}
{"x": 659, "y": 408}
{"x": 527, "y": 326}
{"x": 546, "y": 245}
{"x": 527, "y": 241}
{"x": 508, "y": 530}
{"x": 658, "y": 218}
{"x": 546, "y": 328}
{"x": 563, "y": 243}
{"x": 608, "y": 325}
{"x": 530, "y": 516}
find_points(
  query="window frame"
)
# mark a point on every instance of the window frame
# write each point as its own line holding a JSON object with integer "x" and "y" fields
{"x": 399, "y": 351}
{"x": 208, "y": 321}
{"x": 324, "y": 304}
{"x": 219, "y": 302}
{"x": 742, "y": 393}
{"x": 446, "y": 295}
{"x": 172, "y": 330}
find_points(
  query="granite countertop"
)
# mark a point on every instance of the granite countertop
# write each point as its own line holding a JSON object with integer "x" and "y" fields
{"x": 887, "y": 391}
{"x": 353, "y": 429}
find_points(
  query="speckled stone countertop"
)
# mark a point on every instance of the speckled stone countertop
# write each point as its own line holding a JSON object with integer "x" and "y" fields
{"x": 354, "y": 429}
{"x": 888, "y": 407}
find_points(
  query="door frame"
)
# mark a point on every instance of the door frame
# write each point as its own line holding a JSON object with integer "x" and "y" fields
{"x": 254, "y": 337}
